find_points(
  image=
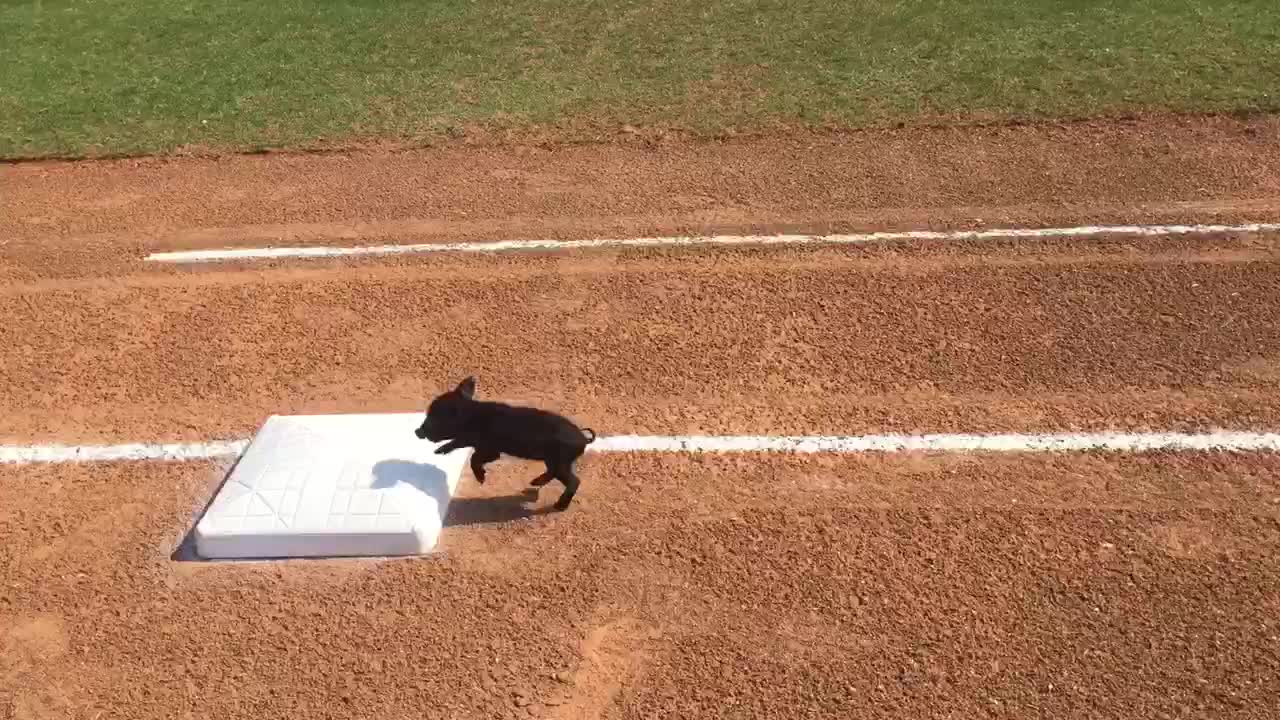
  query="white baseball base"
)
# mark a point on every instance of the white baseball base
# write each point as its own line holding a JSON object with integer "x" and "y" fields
{"x": 332, "y": 486}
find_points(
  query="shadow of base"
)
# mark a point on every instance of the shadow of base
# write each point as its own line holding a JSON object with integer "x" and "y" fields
{"x": 186, "y": 550}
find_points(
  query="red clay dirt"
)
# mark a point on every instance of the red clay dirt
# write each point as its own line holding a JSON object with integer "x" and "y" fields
{"x": 678, "y": 586}
{"x": 83, "y": 216}
{"x": 1041, "y": 337}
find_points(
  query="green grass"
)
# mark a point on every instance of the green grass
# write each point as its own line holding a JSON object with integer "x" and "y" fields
{"x": 138, "y": 76}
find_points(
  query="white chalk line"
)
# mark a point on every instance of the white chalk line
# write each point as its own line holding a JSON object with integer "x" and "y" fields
{"x": 38, "y": 454}
{"x": 1221, "y": 440}
{"x": 265, "y": 253}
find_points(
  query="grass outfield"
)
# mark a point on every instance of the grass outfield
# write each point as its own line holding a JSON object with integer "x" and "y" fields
{"x": 140, "y": 76}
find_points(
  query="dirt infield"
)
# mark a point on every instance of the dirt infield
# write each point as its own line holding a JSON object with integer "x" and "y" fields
{"x": 771, "y": 587}
{"x": 1073, "y": 335}
{"x": 1194, "y": 170}
{"x": 908, "y": 586}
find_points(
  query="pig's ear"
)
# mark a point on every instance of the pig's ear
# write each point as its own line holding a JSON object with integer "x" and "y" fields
{"x": 468, "y": 387}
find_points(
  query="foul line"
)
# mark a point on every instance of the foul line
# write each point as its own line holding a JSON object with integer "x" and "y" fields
{"x": 28, "y": 454}
{"x": 201, "y": 256}
{"x": 1230, "y": 441}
